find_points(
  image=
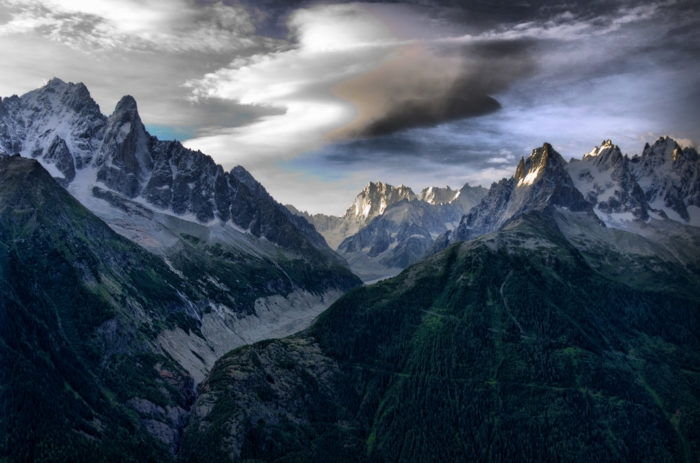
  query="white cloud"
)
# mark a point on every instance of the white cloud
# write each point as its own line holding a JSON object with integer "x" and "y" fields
{"x": 351, "y": 69}
{"x": 170, "y": 25}
{"x": 298, "y": 81}
{"x": 685, "y": 142}
{"x": 334, "y": 43}
{"x": 355, "y": 64}
{"x": 260, "y": 102}
{"x": 568, "y": 27}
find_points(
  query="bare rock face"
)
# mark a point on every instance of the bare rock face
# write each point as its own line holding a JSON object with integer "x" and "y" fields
{"x": 388, "y": 228}
{"x": 234, "y": 406}
{"x": 540, "y": 181}
{"x": 62, "y": 126}
{"x": 670, "y": 178}
{"x": 125, "y": 156}
{"x": 59, "y": 155}
{"x": 606, "y": 180}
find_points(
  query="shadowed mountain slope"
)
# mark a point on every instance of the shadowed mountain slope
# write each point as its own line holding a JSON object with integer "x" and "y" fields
{"x": 510, "y": 347}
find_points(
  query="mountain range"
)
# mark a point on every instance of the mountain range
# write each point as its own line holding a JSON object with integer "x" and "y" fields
{"x": 155, "y": 307}
{"x": 388, "y": 228}
{"x": 218, "y": 229}
{"x": 129, "y": 266}
{"x": 537, "y": 333}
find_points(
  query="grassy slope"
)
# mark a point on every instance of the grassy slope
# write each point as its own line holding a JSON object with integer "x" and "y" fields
{"x": 78, "y": 305}
{"x": 247, "y": 278}
{"x": 508, "y": 348}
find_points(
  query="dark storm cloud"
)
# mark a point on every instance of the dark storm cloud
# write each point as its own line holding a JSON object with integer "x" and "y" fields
{"x": 406, "y": 147}
{"x": 481, "y": 69}
{"x": 399, "y": 96}
{"x": 478, "y": 145}
{"x": 419, "y": 90}
{"x": 419, "y": 112}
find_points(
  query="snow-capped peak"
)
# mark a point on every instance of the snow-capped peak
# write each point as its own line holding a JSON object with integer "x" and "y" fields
{"x": 60, "y": 120}
{"x": 670, "y": 178}
{"x": 437, "y": 195}
{"x": 605, "y": 156}
{"x": 531, "y": 169}
{"x": 605, "y": 147}
{"x": 375, "y": 198}
{"x": 665, "y": 148}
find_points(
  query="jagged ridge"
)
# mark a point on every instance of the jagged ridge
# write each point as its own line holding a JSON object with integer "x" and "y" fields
{"x": 62, "y": 126}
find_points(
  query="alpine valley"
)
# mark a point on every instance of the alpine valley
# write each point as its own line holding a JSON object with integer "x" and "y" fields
{"x": 129, "y": 265}
{"x": 155, "y": 307}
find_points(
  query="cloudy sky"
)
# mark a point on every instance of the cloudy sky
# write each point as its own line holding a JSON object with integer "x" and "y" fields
{"x": 318, "y": 98}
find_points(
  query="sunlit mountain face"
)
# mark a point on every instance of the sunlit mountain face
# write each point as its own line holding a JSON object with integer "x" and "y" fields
{"x": 323, "y": 97}
{"x": 315, "y": 231}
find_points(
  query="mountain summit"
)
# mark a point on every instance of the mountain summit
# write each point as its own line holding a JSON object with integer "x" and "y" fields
{"x": 670, "y": 178}
{"x": 61, "y": 126}
{"x": 662, "y": 182}
{"x": 388, "y": 228}
{"x": 436, "y": 195}
{"x": 375, "y": 198}
{"x": 540, "y": 181}
{"x": 262, "y": 269}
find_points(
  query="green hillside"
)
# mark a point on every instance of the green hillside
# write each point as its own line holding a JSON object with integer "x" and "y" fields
{"x": 507, "y": 348}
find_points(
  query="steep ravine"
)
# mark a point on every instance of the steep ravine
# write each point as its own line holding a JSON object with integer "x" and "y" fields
{"x": 86, "y": 315}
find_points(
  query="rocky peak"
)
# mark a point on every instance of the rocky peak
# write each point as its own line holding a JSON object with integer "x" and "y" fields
{"x": 604, "y": 178}
{"x": 662, "y": 157}
{"x": 55, "y": 82}
{"x": 605, "y": 155}
{"x": 437, "y": 195}
{"x": 58, "y": 95}
{"x": 540, "y": 183}
{"x": 375, "y": 198}
{"x": 663, "y": 146}
{"x": 386, "y": 189}
{"x": 670, "y": 178}
{"x": 56, "y": 85}
{"x": 30, "y": 123}
{"x": 127, "y": 105}
{"x": 124, "y": 120}
{"x": 243, "y": 176}
{"x": 125, "y": 156}
{"x": 664, "y": 150}
{"x": 127, "y": 161}
{"x": 542, "y": 160}
{"x": 469, "y": 196}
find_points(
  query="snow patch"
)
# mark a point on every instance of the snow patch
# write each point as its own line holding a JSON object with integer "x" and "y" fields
{"x": 530, "y": 178}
